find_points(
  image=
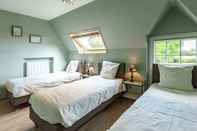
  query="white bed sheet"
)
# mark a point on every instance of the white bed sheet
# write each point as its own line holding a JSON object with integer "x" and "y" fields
{"x": 160, "y": 109}
{"x": 23, "y": 86}
{"x": 68, "y": 103}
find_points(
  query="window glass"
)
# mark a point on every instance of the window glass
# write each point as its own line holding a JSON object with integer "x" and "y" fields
{"x": 173, "y": 59}
{"x": 175, "y": 51}
{"x": 188, "y": 51}
{"x": 173, "y": 47}
{"x": 160, "y": 59}
{"x": 160, "y": 51}
{"x": 188, "y": 47}
{"x": 88, "y": 42}
{"x": 160, "y": 48}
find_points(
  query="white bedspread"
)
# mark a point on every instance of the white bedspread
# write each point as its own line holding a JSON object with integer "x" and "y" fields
{"x": 23, "y": 86}
{"x": 160, "y": 109}
{"x": 68, "y": 103}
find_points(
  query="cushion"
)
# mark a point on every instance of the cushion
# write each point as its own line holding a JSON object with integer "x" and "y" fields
{"x": 72, "y": 66}
{"x": 176, "y": 77}
{"x": 109, "y": 69}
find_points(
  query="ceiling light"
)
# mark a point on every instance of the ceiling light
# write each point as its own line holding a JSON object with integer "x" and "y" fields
{"x": 70, "y": 2}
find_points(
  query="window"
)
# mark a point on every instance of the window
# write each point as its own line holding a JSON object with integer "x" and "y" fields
{"x": 175, "y": 51}
{"x": 88, "y": 42}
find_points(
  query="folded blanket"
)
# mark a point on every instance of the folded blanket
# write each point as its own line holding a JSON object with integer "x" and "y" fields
{"x": 24, "y": 86}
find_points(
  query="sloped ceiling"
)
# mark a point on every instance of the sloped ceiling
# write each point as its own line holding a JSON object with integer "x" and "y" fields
{"x": 177, "y": 18}
{"x": 124, "y": 24}
{"x": 174, "y": 21}
{"x": 43, "y": 9}
{"x": 191, "y": 6}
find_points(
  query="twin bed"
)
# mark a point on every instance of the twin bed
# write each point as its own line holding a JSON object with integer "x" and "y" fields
{"x": 64, "y": 102}
{"x": 69, "y": 106}
{"x": 162, "y": 109}
{"x": 20, "y": 89}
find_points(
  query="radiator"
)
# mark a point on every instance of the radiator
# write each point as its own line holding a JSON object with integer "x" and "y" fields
{"x": 37, "y": 67}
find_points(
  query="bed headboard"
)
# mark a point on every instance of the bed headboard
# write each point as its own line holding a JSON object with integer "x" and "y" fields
{"x": 80, "y": 67}
{"x": 36, "y": 66}
{"x": 156, "y": 75}
{"x": 120, "y": 72}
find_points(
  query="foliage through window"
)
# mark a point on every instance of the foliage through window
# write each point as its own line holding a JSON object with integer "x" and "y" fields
{"x": 176, "y": 51}
{"x": 88, "y": 42}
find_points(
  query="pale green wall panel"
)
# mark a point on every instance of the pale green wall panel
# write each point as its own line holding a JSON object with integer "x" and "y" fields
{"x": 128, "y": 56}
{"x": 191, "y": 5}
{"x": 174, "y": 21}
{"x": 13, "y": 50}
{"x": 123, "y": 23}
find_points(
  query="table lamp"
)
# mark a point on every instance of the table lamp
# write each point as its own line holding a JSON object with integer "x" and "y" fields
{"x": 91, "y": 70}
{"x": 132, "y": 69}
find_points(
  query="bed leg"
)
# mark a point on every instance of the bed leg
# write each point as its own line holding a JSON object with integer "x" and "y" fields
{"x": 36, "y": 125}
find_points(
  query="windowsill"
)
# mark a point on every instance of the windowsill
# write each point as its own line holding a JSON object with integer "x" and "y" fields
{"x": 104, "y": 52}
{"x": 182, "y": 64}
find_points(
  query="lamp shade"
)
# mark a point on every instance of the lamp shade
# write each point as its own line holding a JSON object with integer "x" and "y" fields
{"x": 92, "y": 70}
{"x": 132, "y": 68}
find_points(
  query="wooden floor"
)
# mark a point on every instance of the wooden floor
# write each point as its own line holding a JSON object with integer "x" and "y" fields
{"x": 12, "y": 119}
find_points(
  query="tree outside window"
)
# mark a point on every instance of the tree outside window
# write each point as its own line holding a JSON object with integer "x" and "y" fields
{"x": 176, "y": 51}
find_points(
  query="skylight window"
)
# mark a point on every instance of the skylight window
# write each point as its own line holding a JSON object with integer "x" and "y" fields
{"x": 90, "y": 42}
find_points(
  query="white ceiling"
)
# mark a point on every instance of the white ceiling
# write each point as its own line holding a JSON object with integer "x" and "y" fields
{"x": 43, "y": 9}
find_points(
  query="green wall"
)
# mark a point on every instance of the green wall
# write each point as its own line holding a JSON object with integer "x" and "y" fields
{"x": 13, "y": 50}
{"x": 174, "y": 21}
{"x": 124, "y": 25}
{"x": 129, "y": 56}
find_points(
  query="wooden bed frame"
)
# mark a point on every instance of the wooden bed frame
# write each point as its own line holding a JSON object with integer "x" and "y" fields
{"x": 156, "y": 75}
{"x": 46, "y": 126}
{"x": 16, "y": 101}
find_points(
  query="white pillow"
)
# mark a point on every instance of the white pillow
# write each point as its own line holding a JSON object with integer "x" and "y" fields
{"x": 109, "y": 69}
{"x": 176, "y": 77}
{"x": 72, "y": 66}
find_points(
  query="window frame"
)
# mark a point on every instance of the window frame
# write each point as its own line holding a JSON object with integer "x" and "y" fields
{"x": 152, "y": 39}
{"x": 180, "y": 55}
{"x": 150, "y": 47}
{"x": 81, "y": 49}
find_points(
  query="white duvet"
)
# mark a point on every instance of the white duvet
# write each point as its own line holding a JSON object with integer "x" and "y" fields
{"x": 24, "y": 86}
{"x": 68, "y": 103}
{"x": 160, "y": 109}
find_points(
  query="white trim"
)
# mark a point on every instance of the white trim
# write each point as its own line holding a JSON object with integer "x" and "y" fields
{"x": 181, "y": 5}
{"x": 168, "y": 37}
{"x": 85, "y": 50}
{"x": 174, "y": 36}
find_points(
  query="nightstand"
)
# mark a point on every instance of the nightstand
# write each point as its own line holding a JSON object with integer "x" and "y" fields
{"x": 131, "y": 95}
{"x": 85, "y": 76}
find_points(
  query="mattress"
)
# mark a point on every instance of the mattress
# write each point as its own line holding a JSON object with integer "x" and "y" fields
{"x": 160, "y": 109}
{"x": 23, "y": 86}
{"x": 68, "y": 103}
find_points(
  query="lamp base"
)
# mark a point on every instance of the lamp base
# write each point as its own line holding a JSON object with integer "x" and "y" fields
{"x": 132, "y": 78}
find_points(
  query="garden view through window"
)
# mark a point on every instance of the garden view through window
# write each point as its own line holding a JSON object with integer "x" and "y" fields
{"x": 175, "y": 51}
